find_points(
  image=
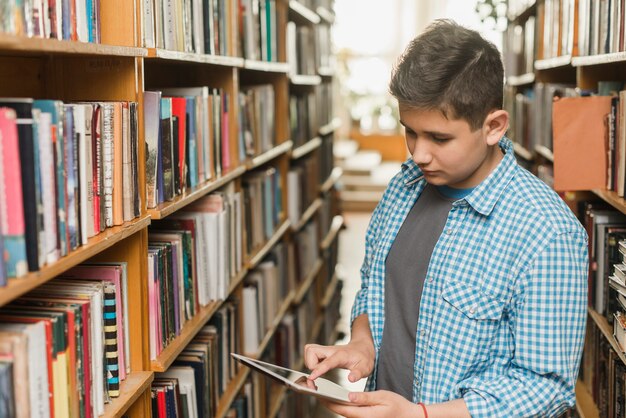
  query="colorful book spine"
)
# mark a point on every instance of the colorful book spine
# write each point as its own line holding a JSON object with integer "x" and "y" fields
{"x": 110, "y": 343}
{"x": 11, "y": 202}
{"x": 107, "y": 161}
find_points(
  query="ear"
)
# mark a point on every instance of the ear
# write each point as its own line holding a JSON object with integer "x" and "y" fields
{"x": 495, "y": 126}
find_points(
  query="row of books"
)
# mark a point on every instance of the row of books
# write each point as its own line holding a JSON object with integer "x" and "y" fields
{"x": 327, "y": 158}
{"x": 519, "y": 48}
{"x": 187, "y": 139}
{"x": 66, "y": 344}
{"x": 265, "y": 289}
{"x": 263, "y": 206}
{"x": 192, "y": 258}
{"x": 303, "y": 186}
{"x": 557, "y": 36}
{"x": 301, "y": 49}
{"x": 238, "y": 28}
{"x": 76, "y": 20}
{"x": 531, "y": 110}
{"x": 517, "y": 7}
{"x": 600, "y": 27}
{"x": 306, "y": 243}
{"x": 196, "y": 381}
{"x": 308, "y": 112}
{"x": 67, "y": 172}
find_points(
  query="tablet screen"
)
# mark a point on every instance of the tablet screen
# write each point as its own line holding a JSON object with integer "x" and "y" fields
{"x": 298, "y": 381}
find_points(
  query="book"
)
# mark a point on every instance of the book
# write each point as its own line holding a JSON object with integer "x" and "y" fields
{"x": 152, "y": 117}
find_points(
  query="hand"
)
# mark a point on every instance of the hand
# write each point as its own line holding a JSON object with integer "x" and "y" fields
{"x": 358, "y": 357}
{"x": 378, "y": 404}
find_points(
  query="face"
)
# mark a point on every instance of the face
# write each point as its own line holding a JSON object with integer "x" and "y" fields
{"x": 448, "y": 151}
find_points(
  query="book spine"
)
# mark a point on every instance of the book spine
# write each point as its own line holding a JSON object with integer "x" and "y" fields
{"x": 107, "y": 161}
{"x": 70, "y": 183}
{"x": 225, "y": 134}
{"x": 96, "y": 157}
{"x": 110, "y": 342}
{"x": 127, "y": 176}
{"x": 118, "y": 164}
{"x": 134, "y": 138}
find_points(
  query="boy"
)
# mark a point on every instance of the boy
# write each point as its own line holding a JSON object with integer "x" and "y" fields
{"x": 473, "y": 288}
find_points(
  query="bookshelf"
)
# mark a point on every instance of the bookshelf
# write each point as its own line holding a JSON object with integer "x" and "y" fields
{"x": 123, "y": 66}
{"x": 573, "y": 50}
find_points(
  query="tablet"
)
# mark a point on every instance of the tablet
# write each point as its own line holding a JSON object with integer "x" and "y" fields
{"x": 297, "y": 381}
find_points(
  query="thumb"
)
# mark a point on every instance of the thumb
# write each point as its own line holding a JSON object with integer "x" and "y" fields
{"x": 355, "y": 375}
{"x": 363, "y": 398}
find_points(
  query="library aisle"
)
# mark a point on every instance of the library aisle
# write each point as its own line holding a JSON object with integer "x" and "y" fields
{"x": 351, "y": 252}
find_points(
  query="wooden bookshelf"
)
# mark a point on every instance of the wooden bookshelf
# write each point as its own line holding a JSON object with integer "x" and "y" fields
{"x": 269, "y": 333}
{"x": 265, "y": 66}
{"x": 607, "y": 331}
{"x": 330, "y": 182}
{"x": 307, "y": 215}
{"x": 615, "y": 57}
{"x": 131, "y": 389}
{"x": 330, "y": 290}
{"x": 106, "y": 239}
{"x": 326, "y": 15}
{"x": 305, "y": 80}
{"x": 521, "y": 80}
{"x": 326, "y": 72}
{"x": 191, "y": 195}
{"x": 276, "y": 401}
{"x": 305, "y": 286}
{"x": 262, "y": 252}
{"x": 585, "y": 407}
{"x": 306, "y": 148}
{"x": 612, "y": 198}
{"x": 330, "y": 127}
{"x": 22, "y": 45}
{"x": 168, "y": 55}
{"x": 522, "y": 152}
{"x": 550, "y": 63}
{"x": 268, "y": 156}
{"x": 231, "y": 392}
{"x": 544, "y": 152}
{"x": 335, "y": 227}
{"x": 301, "y": 14}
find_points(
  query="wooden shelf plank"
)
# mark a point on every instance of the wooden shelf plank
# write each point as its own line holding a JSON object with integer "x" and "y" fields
{"x": 24, "y": 45}
{"x": 326, "y": 72}
{"x": 330, "y": 291}
{"x": 330, "y": 127}
{"x": 335, "y": 227}
{"x": 131, "y": 389}
{"x": 306, "y": 148}
{"x": 522, "y": 152}
{"x": 607, "y": 331}
{"x": 302, "y": 14}
{"x": 521, "y": 80}
{"x": 599, "y": 59}
{"x": 334, "y": 177}
{"x": 189, "y": 331}
{"x": 272, "y": 67}
{"x": 110, "y": 236}
{"x": 326, "y": 15}
{"x": 189, "y": 196}
{"x": 545, "y": 152}
{"x": 275, "y": 152}
{"x": 307, "y": 282}
{"x": 612, "y": 198}
{"x": 165, "y": 54}
{"x": 307, "y": 215}
{"x": 276, "y": 401}
{"x": 585, "y": 406}
{"x": 305, "y": 80}
{"x": 262, "y": 252}
{"x": 556, "y": 62}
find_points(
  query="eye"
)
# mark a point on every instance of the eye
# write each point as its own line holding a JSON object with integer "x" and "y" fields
{"x": 409, "y": 133}
{"x": 440, "y": 139}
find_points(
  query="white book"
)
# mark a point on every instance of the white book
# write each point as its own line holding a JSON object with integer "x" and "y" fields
{"x": 169, "y": 25}
{"x": 88, "y": 145}
{"x": 107, "y": 161}
{"x": 37, "y": 366}
{"x": 198, "y": 27}
{"x": 47, "y": 172}
{"x": 186, "y": 384}
{"x": 250, "y": 320}
{"x": 213, "y": 243}
{"x": 223, "y": 254}
{"x": 82, "y": 31}
{"x": 293, "y": 203}
{"x": 148, "y": 24}
{"x": 127, "y": 169}
{"x": 59, "y": 23}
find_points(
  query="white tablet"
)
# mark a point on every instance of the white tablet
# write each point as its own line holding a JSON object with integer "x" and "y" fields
{"x": 298, "y": 381}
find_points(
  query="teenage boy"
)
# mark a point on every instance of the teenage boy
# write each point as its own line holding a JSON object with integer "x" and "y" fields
{"x": 474, "y": 284}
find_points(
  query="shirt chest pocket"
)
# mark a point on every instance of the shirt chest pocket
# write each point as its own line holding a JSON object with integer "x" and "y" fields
{"x": 465, "y": 324}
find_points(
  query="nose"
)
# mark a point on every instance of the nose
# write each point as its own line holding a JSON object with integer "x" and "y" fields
{"x": 421, "y": 153}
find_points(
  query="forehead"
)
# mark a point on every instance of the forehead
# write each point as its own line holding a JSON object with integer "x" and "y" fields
{"x": 419, "y": 119}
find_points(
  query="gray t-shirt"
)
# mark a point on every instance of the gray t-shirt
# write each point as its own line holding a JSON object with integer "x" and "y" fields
{"x": 405, "y": 271}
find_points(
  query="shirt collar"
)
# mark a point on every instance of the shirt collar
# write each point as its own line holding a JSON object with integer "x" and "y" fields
{"x": 485, "y": 196}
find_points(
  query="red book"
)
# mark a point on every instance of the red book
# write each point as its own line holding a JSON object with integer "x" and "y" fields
{"x": 179, "y": 109}
{"x": 96, "y": 137}
{"x": 161, "y": 401}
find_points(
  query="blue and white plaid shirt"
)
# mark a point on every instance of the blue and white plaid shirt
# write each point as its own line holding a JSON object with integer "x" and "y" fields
{"x": 504, "y": 306}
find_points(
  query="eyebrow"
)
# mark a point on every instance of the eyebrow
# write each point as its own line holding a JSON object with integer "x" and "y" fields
{"x": 431, "y": 133}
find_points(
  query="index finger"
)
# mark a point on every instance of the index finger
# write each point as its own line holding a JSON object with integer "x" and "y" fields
{"x": 331, "y": 362}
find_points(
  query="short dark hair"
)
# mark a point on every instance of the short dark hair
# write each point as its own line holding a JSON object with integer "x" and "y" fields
{"x": 452, "y": 69}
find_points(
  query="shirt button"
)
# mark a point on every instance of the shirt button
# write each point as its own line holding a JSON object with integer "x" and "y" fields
{"x": 472, "y": 310}
{"x": 423, "y": 332}
{"x": 430, "y": 280}
{"x": 449, "y": 231}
